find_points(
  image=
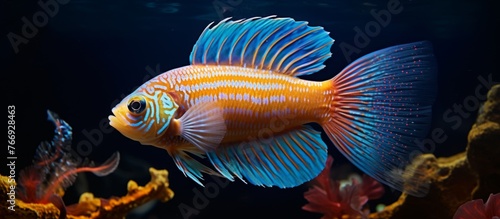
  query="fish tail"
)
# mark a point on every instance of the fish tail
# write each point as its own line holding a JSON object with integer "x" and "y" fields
{"x": 378, "y": 106}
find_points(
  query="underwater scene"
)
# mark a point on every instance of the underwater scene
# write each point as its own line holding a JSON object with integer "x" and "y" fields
{"x": 332, "y": 109}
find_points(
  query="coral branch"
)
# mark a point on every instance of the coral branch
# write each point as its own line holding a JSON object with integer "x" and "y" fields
{"x": 90, "y": 207}
{"x": 156, "y": 189}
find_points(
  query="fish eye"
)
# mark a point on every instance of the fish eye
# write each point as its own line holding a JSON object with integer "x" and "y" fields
{"x": 137, "y": 105}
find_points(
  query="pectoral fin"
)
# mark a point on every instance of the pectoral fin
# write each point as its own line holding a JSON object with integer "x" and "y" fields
{"x": 203, "y": 125}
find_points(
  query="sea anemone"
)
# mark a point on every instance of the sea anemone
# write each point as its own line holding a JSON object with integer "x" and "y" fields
{"x": 328, "y": 197}
{"x": 476, "y": 209}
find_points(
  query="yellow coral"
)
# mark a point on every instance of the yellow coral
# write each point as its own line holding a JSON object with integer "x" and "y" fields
{"x": 23, "y": 210}
{"x": 90, "y": 207}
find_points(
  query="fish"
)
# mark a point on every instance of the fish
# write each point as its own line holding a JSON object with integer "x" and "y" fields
{"x": 243, "y": 105}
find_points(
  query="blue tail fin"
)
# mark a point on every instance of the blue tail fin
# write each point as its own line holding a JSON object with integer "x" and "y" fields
{"x": 380, "y": 104}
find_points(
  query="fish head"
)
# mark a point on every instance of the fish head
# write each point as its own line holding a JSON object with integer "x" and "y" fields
{"x": 144, "y": 116}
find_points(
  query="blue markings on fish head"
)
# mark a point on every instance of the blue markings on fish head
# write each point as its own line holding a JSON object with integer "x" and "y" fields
{"x": 144, "y": 115}
{"x": 167, "y": 110}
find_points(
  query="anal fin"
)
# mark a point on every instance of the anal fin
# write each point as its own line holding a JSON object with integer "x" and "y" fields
{"x": 178, "y": 149}
{"x": 286, "y": 160}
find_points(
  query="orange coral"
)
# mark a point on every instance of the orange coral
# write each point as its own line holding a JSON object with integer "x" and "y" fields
{"x": 90, "y": 207}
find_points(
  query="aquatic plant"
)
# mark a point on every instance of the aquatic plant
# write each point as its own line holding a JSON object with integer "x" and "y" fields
{"x": 476, "y": 209}
{"x": 55, "y": 168}
{"x": 328, "y": 197}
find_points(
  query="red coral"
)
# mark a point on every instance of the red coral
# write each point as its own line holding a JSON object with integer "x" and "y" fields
{"x": 328, "y": 198}
{"x": 476, "y": 209}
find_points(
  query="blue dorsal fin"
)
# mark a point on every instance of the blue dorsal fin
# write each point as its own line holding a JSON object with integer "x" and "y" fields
{"x": 287, "y": 160}
{"x": 282, "y": 45}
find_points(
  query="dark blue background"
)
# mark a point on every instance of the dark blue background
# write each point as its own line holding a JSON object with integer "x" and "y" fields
{"x": 93, "y": 52}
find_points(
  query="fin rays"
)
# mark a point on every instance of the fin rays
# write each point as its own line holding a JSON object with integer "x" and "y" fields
{"x": 269, "y": 43}
{"x": 382, "y": 103}
{"x": 275, "y": 163}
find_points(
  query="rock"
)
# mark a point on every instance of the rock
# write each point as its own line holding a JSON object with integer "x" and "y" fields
{"x": 483, "y": 151}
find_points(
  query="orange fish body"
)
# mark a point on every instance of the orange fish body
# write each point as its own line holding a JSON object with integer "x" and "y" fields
{"x": 241, "y": 104}
{"x": 249, "y": 98}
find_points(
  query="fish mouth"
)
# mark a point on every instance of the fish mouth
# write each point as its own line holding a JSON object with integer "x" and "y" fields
{"x": 118, "y": 121}
{"x": 113, "y": 120}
